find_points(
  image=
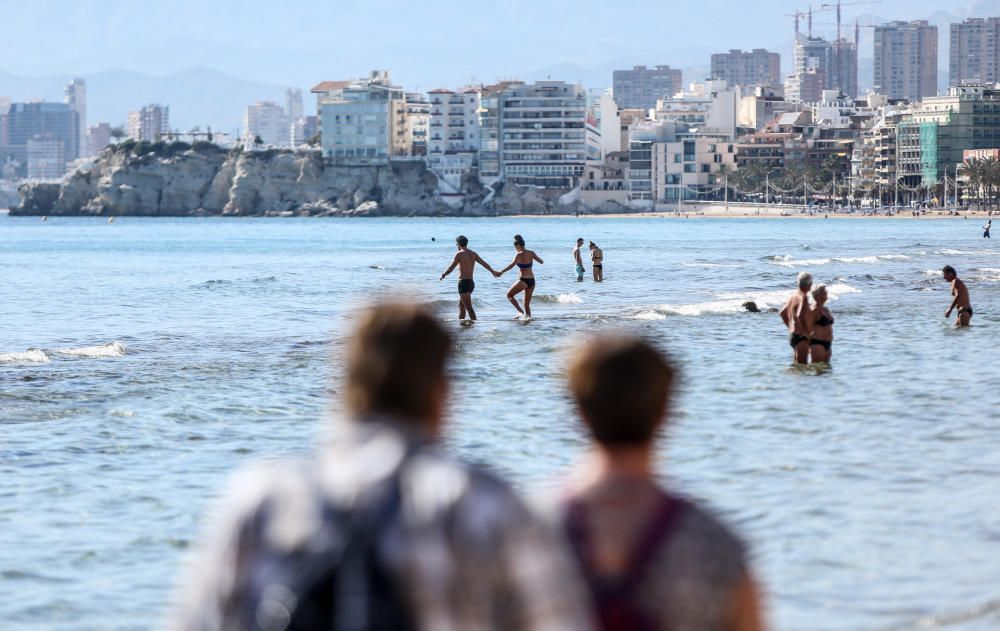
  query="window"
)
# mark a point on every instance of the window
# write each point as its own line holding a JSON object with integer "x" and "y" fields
{"x": 689, "y": 168}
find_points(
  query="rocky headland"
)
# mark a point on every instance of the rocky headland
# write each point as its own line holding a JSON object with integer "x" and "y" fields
{"x": 177, "y": 179}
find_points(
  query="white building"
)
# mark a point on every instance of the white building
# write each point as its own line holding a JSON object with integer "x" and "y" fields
{"x": 607, "y": 118}
{"x": 75, "y": 95}
{"x": 545, "y": 138}
{"x": 98, "y": 137}
{"x": 710, "y": 107}
{"x": 418, "y": 120}
{"x": 269, "y": 122}
{"x": 46, "y": 157}
{"x": 454, "y": 123}
{"x": 293, "y": 103}
{"x": 669, "y": 161}
{"x": 363, "y": 121}
{"x": 149, "y": 123}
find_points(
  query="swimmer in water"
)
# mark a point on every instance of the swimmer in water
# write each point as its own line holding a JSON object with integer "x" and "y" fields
{"x": 597, "y": 258}
{"x": 523, "y": 259}
{"x": 961, "y": 294}
{"x": 821, "y": 339}
{"x": 795, "y": 315}
{"x": 987, "y": 228}
{"x": 465, "y": 259}
{"x": 578, "y": 258}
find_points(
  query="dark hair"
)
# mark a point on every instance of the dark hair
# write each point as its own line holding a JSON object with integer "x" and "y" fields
{"x": 518, "y": 240}
{"x": 593, "y": 244}
{"x": 948, "y": 269}
{"x": 462, "y": 240}
{"x": 580, "y": 240}
{"x": 397, "y": 357}
{"x": 622, "y": 386}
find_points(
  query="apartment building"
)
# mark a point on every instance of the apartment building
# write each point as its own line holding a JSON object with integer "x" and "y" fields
{"x": 832, "y": 65}
{"x": 75, "y": 95}
{"x": 906, "y": 60}
{"x": 418, "y": 119}
{"x": 46, "y": 156}
{"x": 25, "y": 121}
{"x": 545, "y": 137}
{"x": 757, "y": 67}
{"x": 758, "y": 109}
{"x": 669, "y": 162}
{"x": 267, "y": 121}
{"x": 149, "y": 124}
{"x": 98, "y": 137}
{"x": 974, "y": 51}
{"x": 711, "y": 107}
{"x": 363, "y": 121}
{"x": 454, "y": 123}
{"x": 642, "y": 87}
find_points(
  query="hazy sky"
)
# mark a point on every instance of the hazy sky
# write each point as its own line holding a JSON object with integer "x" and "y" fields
{"x": 296, "y": 42}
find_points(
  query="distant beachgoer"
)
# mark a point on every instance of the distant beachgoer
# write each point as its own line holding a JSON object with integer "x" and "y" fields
{"x": 653, "y": 560}
{"x": 578, "y": 258}
{"x": 466, "y": 260}
{"x": 961, "y": 294}
{"x": 821, "y": 337}
{"x": 597, "y": 258}
{"x": 987, "y": 228}
{"x": 381, "y": 528}
{"x": 523, "y": 259}
{"x": 795, "y": 315}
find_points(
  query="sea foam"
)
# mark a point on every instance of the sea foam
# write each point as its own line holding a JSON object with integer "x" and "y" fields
{"x": 111, "y": 349}
{"x": 30, "y": 356}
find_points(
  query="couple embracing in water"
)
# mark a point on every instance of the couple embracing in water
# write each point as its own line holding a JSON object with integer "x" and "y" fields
{"x": 465, "y": 260}
{"x": 810, "y": 327}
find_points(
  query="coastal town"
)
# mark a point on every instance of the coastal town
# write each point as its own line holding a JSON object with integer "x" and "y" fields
{"x": 651, "y": 140}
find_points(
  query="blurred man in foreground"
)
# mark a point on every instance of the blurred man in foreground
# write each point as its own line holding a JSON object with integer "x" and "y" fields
{"x": 382, "y": 530}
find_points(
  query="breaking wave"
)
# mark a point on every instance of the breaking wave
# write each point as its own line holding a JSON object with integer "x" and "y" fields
{"x": 30, "y": 356}
{"x": 111, "y": 349}
{"x": 788, "y": 261}
{"x": 732, "y": 302}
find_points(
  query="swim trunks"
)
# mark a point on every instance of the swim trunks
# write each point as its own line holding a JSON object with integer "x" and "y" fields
{"x": 966, "y": 310}
{"x": 579, "y": 272}
{"x": 794, "y": 339}
{"x": 466, "y": 286}
{"x": 530, "y": 282}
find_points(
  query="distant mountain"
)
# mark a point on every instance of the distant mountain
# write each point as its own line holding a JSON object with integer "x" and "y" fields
{"x": 197, "y": 96}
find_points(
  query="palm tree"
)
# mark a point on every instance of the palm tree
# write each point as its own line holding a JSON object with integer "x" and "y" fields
{"x": 971, "y": 171}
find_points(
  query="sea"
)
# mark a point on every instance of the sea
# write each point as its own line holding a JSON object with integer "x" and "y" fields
{"x": 143, "y": 361}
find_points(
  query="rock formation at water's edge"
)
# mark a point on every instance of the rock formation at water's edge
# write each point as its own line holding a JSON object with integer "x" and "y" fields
{"x": 176, "y": 179}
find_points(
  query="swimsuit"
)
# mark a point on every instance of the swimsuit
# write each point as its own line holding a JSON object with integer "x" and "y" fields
{"x": 524, "y": 265}
{"x": 824, "y": 321}
{"x": 794, "y": 339}
{"x": 824, "y": 343}
{"x": 966, "y": 309}
{"x": 466, "y": 286}
{"x": 530, "y": 282}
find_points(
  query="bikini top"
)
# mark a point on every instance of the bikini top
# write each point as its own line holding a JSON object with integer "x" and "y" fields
{"x": 524, "y": 265}
{"x": 824, "y": 321}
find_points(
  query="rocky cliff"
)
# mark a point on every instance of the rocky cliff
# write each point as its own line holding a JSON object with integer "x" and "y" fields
{"x": 181, "y": 180}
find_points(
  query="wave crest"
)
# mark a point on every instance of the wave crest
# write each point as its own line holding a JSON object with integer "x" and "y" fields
{"x": 30, "y": 356}
{"x": 111, "y": 349}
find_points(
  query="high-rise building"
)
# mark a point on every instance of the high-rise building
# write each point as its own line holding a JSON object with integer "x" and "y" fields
{"x": 362, "y": 121}
{"x": 906, "y": 60}
{"x": 835, "y": 63}
{"x": 98, "y": 137}
{"x": 27, "y": 120}
{"x": 75, "y": 95}
{"x": 454, "y": 123}
{"x": 974, "y": 51}
{"x": 545, "y": 137}
{"x": 149, "y": 124}
{"x": 642, "y": 87}
{"x": 747, "y": 69}
{"x": 46, "y": 156}
{"x": 266, "y": 120}
{"x": 293, "y": 103}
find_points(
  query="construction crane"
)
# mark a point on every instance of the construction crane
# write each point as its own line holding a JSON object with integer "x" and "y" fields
{"x": 805, "y": 14}
{"x": 838, "y": 4}
{"x": 857, "y": 33}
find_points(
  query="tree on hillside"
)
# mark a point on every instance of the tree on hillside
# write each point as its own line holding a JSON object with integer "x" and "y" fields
{"x": 117, "y": 133}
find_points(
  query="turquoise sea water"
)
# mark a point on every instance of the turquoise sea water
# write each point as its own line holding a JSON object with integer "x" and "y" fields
{"x": 142, "y": 361}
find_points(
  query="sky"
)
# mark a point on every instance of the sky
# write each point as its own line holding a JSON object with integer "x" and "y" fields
{"x": 426, "y": 44}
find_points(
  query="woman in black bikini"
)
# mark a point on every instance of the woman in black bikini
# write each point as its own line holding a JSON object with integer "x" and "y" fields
{"x": 524, "y": 259}
{"x": 822, "y": 329}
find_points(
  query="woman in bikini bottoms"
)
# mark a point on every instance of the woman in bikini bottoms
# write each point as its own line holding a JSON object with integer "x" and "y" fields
{"x": 821, "y": 340}
{"x": 523, "y": 259}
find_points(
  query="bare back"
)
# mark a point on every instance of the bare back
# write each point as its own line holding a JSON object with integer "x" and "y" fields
{"x": 466, "y": 260}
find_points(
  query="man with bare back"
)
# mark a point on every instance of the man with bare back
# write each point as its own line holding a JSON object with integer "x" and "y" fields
{"x": 466, "y": 259}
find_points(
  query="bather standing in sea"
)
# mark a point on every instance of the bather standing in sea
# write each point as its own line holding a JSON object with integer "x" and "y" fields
{"x": 523, "y": 259}
{"x": 597, "y": 258}
{"x": 961, "y": 294}
{"x": 821, "y": 339}
{"x": 987, "y": 228}
{"x": 578, "y": 259}
{"x": 466, "y": 259}
{"x": 795, "y": 315}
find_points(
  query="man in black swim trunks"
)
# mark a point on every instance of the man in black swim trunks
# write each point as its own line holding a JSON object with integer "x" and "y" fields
{"x": 466, "y": 259}
{"x": 961, "y": 294}
{"x": 794, "y": 316}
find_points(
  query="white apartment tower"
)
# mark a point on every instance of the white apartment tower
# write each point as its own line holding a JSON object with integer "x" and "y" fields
{"x": 974, "y": 56}
{"x": 363, "y": 121}
{"x": 454, "y": 123}
{"x": 268, "y": 121}
{"x": 75, "y": 95}
{"x": 293, "y": 103}
{"x": 906, "y": 60}
{"x": 149, "y": 123}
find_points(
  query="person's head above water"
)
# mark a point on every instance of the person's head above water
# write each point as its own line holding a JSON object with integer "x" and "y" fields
{"x": 805, "y": 281}
{"x": 622, "y": 387}
{"x": 592, "y": 245}
{"x": 949, "y": 272}
{"x": 579, "y": 241}
{"x": 518, "y": 241}
{"x": 396, "y": 366}
{"x": 462, "y": 241}
{"x": 819, "y": 294}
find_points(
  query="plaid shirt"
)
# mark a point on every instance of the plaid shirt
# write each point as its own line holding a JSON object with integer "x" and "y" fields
{"x": 469, "y": 554}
